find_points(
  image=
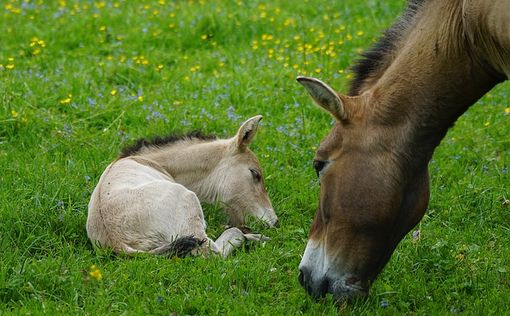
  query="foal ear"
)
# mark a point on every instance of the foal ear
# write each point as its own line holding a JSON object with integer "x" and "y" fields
{"x": 247, "y": 132}
{"x": 324, "y": 96}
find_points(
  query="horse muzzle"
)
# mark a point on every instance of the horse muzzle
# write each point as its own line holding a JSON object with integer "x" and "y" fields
{"x": 319, "y": 274}
{"x": 342, "y": 289}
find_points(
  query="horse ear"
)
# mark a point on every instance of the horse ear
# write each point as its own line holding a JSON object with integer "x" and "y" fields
{"x": 324, "y": 96}
{"x": 247, "y": 132}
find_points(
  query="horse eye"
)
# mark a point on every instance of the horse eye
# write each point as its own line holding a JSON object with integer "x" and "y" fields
{"x": 256, "y": 175}
{"x": 318, "y": 165}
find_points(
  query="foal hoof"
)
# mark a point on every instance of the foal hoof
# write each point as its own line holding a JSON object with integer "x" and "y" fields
{"x": 256, "y": 237}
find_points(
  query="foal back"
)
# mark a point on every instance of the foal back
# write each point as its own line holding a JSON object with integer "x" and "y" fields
{"x": 136, "y": 208}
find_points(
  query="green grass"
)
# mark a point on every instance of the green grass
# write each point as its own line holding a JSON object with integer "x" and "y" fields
{"x": 74, "y": 89}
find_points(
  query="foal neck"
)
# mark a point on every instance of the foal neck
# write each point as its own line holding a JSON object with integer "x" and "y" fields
{"x": 191, "y": 163}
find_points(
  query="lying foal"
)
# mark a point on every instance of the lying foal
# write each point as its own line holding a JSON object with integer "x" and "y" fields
{"x": 149, "y": 199}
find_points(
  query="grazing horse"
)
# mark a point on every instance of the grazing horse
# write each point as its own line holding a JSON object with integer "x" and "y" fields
{"x": 149, "y": 199}
{"x": 437, "y": 60}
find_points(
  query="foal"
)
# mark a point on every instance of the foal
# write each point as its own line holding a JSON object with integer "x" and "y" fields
{"x": 149, "y": 199}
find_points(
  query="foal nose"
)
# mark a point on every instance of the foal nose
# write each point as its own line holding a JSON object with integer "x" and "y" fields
{"x": 316, "y": 289}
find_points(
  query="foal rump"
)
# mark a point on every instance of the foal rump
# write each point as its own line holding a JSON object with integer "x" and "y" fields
{"x": 180, "y": 247}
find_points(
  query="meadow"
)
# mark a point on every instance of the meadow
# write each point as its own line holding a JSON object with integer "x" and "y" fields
{"x": 79, "y": 80}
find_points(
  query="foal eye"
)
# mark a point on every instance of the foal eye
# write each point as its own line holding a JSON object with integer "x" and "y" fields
{"x": 318, "y": 165}
{"x": 256, "y": 175}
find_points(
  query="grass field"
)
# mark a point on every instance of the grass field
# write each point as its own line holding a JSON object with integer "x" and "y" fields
{"x": 81, "y": 79}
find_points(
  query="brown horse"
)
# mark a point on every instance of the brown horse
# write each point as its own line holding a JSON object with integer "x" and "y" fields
{"x": 428, "y": 68}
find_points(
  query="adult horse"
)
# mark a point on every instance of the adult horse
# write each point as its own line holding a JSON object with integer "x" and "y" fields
{"x": 437, "y": 60}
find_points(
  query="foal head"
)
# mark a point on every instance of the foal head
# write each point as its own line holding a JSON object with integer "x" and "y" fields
{"x": 368, "y": 199}
{"x": 240, "y": 184}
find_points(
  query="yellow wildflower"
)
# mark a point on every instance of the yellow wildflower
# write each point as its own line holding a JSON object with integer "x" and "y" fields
{"x": 9, "y": 7}
{"x": 14, "y": 113}
{"x": 267, "y": 37}
{"x": 66, "y": 100}
{"x": 9, "y": 66}
{"x": 95, "y": 273}
{"x": 159, "y": 67}
{"x": 140, "y": 98}
{"x": 113, "y": 92}
{"x": 507, "y": 111}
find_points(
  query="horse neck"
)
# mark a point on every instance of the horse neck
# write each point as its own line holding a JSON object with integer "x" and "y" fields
{"x": 433, "y": 79}
{"x": 192, "y": 165}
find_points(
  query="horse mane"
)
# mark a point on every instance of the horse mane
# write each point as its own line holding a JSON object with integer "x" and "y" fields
{"x": 159, "y": 141}
{"x": 375, "y": 58}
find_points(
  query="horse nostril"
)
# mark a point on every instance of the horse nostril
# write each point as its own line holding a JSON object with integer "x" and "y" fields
{"x": 351, "y": 280}
{"x": 301, "y": 278}
{"x": 315, "y": 289}
{"x": 277, "y": 223}
{"x": 323, "y": 287}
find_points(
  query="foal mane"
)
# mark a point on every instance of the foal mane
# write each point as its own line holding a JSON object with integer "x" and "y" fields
{"x": 158, "y": 141}
{"x": 378, "y": 58}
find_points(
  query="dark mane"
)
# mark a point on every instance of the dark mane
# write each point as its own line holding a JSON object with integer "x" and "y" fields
{"x": 373, "y": 59}
{"x": 161, "y": 141}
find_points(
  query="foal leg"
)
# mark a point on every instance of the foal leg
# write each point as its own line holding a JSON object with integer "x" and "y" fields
{"x": 233, "y": 238}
